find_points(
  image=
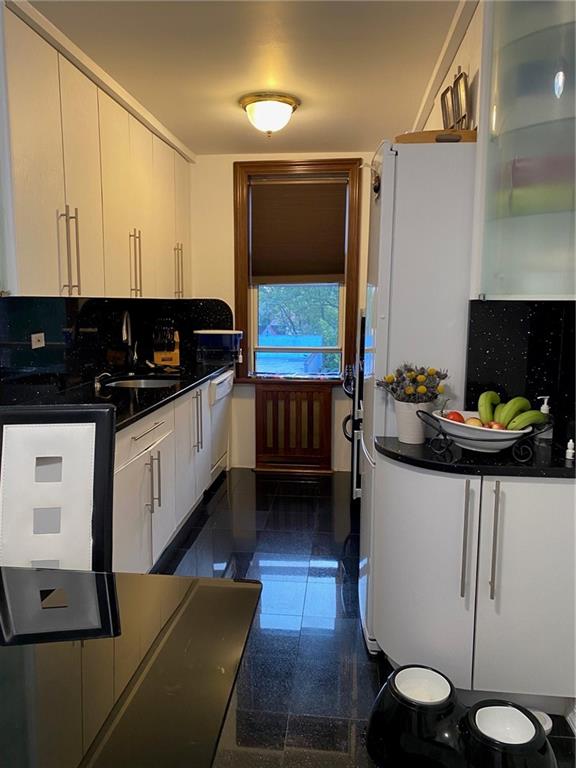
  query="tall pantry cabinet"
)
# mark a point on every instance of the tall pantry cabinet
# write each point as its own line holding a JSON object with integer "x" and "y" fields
{"x": 101, "y": 204}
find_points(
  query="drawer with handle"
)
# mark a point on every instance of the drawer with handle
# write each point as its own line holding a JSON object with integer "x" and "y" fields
{"x": 137, "y": 438}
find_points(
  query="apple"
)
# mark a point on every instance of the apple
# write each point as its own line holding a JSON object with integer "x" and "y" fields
{"x": 455, "y": 416}
{"x": 496, "y": 425}
{"x": 473, "y": 421}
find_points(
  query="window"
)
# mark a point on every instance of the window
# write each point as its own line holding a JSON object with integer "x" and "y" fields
{"x": 298, "y": 329}
{"x": 296, "y": 265}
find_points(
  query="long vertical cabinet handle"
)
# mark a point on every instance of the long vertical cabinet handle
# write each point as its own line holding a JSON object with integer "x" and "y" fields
{"x": 465, "y": 539}
{"x": 356, "y": 489}
{"x": 176, "y": 272}
{"x": 496, "y": 524}
{"x": 201, "y": 422}
{"x": 66, "y": 217}
{"x": 197, "y": 443}
{"x": 159, "y": 460}
{"x": 152, "y": 493}
{"x": 181, "y": 270}
{"x": 139, "y": 246}
{"x": 78, "y": 284}
{"x": 133, "y": 268}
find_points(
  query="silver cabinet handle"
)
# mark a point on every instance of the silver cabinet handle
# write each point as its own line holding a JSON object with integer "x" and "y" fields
{"x": 465, "y": 539}
{"x": 139, "y": 246}
{"x": 176, "y": 272}
{"x": 159, "y": 460}
{"x": 495, "y": 540}
{"x": 66, "y": 217}
{"x": 133, "y": 268}
{"x": 181, "y": 270}
{"x": 356, "y": 490}
{"x": 152, "y": 494}
{"x": 147, "y": 432}
{"x": 201, "y": 421}
{"x": 197, "y": 411}
{"x": 76, "y": 220}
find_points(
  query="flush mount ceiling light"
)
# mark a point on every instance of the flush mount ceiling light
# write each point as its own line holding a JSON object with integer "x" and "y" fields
{"x": 269, "y": 112}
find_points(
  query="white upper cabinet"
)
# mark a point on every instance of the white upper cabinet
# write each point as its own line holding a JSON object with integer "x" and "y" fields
{"x": 79, "y": 99}
{"x": 182, "y": 216}
{"x": 37, "y": 167}
{"x": 141, "y": 181}
{"x": 163, "y": 220}
{"x": 119, "y": 246}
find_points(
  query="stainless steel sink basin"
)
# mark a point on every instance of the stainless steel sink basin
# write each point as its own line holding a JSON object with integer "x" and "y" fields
{"x": 136, "y": 382}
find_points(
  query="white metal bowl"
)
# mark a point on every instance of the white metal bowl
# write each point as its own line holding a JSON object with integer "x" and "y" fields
{"x": 482, "y": 439}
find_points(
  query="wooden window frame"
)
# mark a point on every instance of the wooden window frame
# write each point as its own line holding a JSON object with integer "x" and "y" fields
{"x": 243, "y": 171}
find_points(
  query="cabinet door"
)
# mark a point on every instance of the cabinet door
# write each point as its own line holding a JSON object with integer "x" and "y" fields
{"x": 163, "y": 459}
{"x": 425, "y": 534}
{"x": 132, "y": 524}
{"x": 141, "y": 174}
{"x": 203, "y": 432}
{"x": 79, "y": 97}
{"x": 162, "y": 221}
{"x": 526, "y": 595}
{"x": 116, "y": 197}
{"x": 185, "y": 437}
{"x": 182, "y": 215}
{"x": 37, "y": 163}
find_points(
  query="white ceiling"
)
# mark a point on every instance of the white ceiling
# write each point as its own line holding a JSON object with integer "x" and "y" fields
{"x": 360, "y": 68}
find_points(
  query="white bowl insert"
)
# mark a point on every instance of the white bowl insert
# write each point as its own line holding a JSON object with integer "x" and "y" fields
{"x": 423, "y": 686}
{"x": 505, "y": 724}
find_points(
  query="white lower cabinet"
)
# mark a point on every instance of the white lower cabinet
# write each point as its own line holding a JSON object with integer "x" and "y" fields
{"x": 500, "y": 620}
{"x": 163, "y": 472}
{"x": 204, "y": 454}
{"x": 525, "y": 615}
{"x": 426, "y": 534}
{"x": 185, "y": 420}
{"x": 132, "y": 525}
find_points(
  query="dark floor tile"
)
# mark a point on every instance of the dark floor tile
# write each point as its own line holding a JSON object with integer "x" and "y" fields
{"x": 265, "y": 682}
{"x": 308, "y": 486}
{"x": 326, "y": 568}
{"x": 318, "y": 733}
{"x": 564, "y": 751}
{"x": 339, "y": 544}
{"x": 183, "y": 563}
{"x": 248, "y": 758}
{"x": 271, "y": 566}
{"x": 336, "y": 690}
{"x": 298, "y": 758}
{"x": 239, "y": 515}
{"x": 332, "y": 599}
{"x": 249, "y": 481}
{"x": 265, "y": 730}
{"x": 285, "y": 542}
{"x": 561, "y": 728}
{"x": 338, "y": 640}
{"x": 282, "y": 597}
{"x": 276, "y": 634}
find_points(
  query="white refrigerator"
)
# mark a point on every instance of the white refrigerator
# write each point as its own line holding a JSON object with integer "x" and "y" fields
{"x": 417, "y": 295}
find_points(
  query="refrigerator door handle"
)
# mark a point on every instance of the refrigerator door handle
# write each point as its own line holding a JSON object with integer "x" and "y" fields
{"x": 369, "y": 458}
{"x": 356, "y": 490}
{"x": 346, "y": 421}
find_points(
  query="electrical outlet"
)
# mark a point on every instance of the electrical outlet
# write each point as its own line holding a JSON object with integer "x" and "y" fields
{"x": 37, "y": 340}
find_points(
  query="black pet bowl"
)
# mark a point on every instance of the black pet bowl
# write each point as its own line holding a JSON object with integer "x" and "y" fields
{"x": 414, "y": 721}
{"x": 499, "y": 734}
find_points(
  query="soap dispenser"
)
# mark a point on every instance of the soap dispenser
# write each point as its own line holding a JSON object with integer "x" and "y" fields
{"x": 545, "y": 437}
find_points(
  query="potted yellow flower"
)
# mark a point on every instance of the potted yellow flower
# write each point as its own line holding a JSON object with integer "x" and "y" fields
{"x": 414, "y": 388}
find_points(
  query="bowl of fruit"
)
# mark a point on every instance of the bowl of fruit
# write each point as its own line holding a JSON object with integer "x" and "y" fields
{"x": 494, "y": 426}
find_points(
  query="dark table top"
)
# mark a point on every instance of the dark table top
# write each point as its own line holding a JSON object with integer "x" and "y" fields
{"x": 130, "y": 404}
{"x": 545, "y": 462}
{"x": 117, "y": 670}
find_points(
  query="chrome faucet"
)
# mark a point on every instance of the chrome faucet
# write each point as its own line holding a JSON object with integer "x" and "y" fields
{"x": 99, "y": 379}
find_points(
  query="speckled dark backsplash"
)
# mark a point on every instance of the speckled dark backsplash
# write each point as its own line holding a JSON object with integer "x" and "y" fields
{"x": 84, "y": 336}
{"x": 524, "y": 348}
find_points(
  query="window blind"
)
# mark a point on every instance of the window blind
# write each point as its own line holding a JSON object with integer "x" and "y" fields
{"x": 298, "y": 230}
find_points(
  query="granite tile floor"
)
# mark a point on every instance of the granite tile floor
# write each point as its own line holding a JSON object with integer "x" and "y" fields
{"x": 306, "y": 684}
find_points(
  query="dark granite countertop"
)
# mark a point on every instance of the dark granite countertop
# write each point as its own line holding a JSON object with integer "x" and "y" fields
{"x": 130, "y": 404}
{"x": 546, "y": 462}
{"x": 117, "y": 670}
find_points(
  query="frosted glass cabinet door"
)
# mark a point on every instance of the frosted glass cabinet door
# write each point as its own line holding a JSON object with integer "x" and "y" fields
{"x": 528, "y": 242}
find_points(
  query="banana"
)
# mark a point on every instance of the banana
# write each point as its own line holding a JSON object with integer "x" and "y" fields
{"x": 498, "y": 411}
{"x": 513, "y": 408}
{"x": 527, "y": 418}
{"x": 486, "y": 403}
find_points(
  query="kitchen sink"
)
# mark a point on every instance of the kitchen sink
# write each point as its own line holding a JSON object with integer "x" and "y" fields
{"x": 137, "y": 382}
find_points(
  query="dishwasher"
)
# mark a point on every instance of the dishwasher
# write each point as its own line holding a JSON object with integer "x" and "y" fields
{"x": 219, "y": 397}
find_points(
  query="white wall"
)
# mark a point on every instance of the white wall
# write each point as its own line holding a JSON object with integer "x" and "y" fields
{"x": 212, "y": 224}
{"x": 468, "y": 58}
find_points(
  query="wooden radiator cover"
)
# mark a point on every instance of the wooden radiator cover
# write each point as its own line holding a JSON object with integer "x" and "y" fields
{"x": 294, "y": 426}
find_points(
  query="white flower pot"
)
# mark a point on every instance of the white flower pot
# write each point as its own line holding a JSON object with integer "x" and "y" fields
{"x": 411, "y": 429}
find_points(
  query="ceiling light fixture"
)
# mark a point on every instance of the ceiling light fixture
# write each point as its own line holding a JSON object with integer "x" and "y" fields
{"x": 269, "y": 112}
